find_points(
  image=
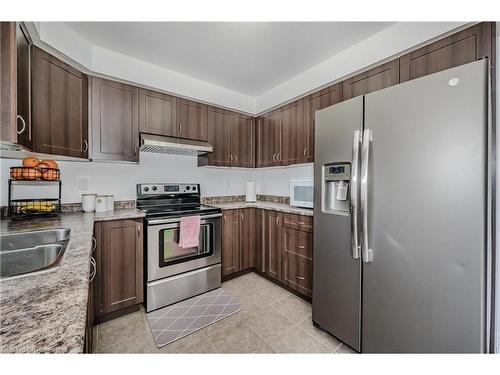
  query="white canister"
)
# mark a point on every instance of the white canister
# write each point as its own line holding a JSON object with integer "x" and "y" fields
{"x": 101, "y": 203}
{"x": 88, "y": 202}
{"x": 111, "y": 202}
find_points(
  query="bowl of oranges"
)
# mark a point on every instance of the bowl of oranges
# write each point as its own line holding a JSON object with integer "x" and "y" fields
{"x": 34, "y": 169}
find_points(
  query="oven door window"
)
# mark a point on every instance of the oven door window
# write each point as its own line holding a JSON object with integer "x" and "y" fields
{"x": 172, "y": 253}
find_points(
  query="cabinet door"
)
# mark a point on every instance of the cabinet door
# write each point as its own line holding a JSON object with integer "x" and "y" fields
{"x": 294, "y": 134}
{"x": 268, "y": 139}
{"x": 8, "y": 77}
{"x": 230, "y": 242}
{"x": 272, "y": 244}
{"x": 59, "y": 107}
{"x": 378, "y": 78}
{"x": 157, "y": 113}
{"x": 192, "y": 120}
{"x": 242, "y": 141}
{"x": 460, "y": 48}
{"x": 248, "y": 236}
{"x": 219, "y": 130}
{"x": 121, "y": 265}
{"x": 297, "y": 260}
{"x": 25, "y": 135}
{"x": 115, "y": 120}
{"x": 319, "y": 100}
{"x": 259, "y": 239}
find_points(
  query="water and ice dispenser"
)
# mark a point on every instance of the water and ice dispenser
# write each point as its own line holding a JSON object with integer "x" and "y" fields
{"x": 335, "y": 188}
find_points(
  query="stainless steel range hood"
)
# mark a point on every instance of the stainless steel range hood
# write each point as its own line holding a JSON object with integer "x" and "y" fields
{"x": 169, "y": 145}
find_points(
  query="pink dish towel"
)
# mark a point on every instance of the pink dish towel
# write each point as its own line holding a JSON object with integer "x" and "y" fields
{"x": 189, "y": 232}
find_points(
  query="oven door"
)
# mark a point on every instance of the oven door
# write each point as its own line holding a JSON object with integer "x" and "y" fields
{"x": 165, "y": 256}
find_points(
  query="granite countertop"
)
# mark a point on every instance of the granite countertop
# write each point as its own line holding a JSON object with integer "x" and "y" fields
{"x": 46, "y": 312}
{"x": 282, "y": 207}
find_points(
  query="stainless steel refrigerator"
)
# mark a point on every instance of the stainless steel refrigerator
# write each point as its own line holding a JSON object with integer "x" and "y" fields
{"x": 401, "y": 216}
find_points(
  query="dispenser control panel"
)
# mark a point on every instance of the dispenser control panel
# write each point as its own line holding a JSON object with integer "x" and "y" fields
{"x": 338, "y": 172}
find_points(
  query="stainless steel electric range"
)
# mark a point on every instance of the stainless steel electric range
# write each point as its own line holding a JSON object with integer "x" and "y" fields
{"x": 174, "y": 273}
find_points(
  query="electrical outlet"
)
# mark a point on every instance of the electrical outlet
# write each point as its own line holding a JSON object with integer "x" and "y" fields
{"x": 83, "y": 183}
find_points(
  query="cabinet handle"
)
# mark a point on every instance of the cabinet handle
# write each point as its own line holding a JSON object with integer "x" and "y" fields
{"x": 277, "y": 220}
{"x": 224, "y": 216}
{"x": 300, "y": 277}
{"x": 24, "y": 124}
{"x": 301, "y": 246}
{"x": 94, "y": 243}
{"x": 279, "y": 156}
{"x": 242, "y": 216}
{"x": 235, "y": 157}
{"x": 94, "y": 269}
{"x": 138, "y": 230}
{"x": 180, "y": 127}
{"x": 305, "y": 151}
{"x": 86, "y": 145}
{"x": 135, "y": 150}
{"x": 231, "y": 158}
{"x": 274, "y": 158}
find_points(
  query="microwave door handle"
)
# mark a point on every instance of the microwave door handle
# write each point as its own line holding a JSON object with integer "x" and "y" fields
{"x": 354, "y": 195}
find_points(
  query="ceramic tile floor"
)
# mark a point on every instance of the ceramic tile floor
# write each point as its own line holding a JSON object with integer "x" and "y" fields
{"x": 273, "y": 321}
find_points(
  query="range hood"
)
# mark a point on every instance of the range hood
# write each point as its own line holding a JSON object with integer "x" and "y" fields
{"x": 169, "y": 145}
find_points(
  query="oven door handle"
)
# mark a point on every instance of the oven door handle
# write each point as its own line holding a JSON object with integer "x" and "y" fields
{"x": 177, "y": 220}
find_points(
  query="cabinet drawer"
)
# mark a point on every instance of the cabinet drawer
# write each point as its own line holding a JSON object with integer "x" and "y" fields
{"x": 297, "y": 273}
{"x": 297, "y": 242}
{"x": 299, "y": 222}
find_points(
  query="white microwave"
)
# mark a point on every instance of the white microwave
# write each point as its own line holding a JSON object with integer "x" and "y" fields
{"x": 302, "y": 193}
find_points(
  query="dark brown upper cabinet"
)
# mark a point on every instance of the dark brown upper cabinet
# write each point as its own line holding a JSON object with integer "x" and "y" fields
{"x": 233, "y": 137}
{"x": 268, "y": 135}
{"x": 315, "y": 102}
{"x": 377, "y": 78}
{"x": 460, "y": 48}
{"x": 24, "y": 126}
{"x": 242, "y": 141}
{"x": 192, "y": 120}
{"x": 219, "y": 135}
{"x": 157, "y": 113}
{"x": 114, "y": 121}
{"x": 294, "y": 134}
{"x": 59, "y": 107}
{"x": 8, "y": 78}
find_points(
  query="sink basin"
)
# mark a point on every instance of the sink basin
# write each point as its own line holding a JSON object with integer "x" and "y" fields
{"x": 27, "y": 252}
{"x": 23, "y": 240}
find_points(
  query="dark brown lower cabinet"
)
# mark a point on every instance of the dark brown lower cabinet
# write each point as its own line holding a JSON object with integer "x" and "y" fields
{"x": 119, "y": 257}
{"x": 230, "y": 242}
{"x": 297, "y": 260}
{"x": 238, "y": 240}
{"x": 89, "y": 323}
{"x": 272, "y": 243}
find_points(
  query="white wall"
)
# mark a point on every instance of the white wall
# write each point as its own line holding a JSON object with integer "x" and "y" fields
{"x": 120, "y": 179}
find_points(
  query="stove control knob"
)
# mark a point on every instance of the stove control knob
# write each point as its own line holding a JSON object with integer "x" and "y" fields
{"x": 154, "y": 188}
{"x": 146, "y": 189}
{"x": 194, "y": 187}
{"x": 188, "y": 187}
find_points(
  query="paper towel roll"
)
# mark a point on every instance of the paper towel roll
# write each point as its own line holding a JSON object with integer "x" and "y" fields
{"x": 251, "y": 197}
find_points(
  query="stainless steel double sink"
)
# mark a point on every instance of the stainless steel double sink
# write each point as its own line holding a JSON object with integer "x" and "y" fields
{"x": 28, "y": 252}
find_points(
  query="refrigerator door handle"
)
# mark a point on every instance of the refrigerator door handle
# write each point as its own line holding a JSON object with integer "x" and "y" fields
{"x": 354, "y": 194}
{"x": 366, "y": 252}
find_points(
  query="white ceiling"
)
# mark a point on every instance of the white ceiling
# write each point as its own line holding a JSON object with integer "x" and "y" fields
{"x": 247, "y": 57}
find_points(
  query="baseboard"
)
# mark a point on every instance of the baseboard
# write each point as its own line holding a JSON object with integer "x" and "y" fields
{"x": 116, "y": 314}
